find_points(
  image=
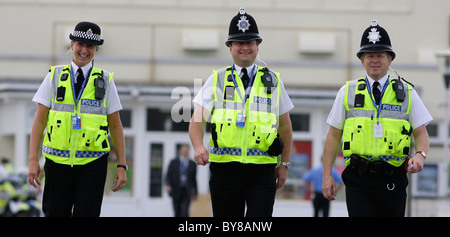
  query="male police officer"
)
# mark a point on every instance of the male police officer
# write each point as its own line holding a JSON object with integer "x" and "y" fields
{"x": 249, "y": 110}
{"x": 375, "y": 117}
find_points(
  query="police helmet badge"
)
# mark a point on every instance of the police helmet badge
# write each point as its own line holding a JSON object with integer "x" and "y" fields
{"x": 243, "y": 23}
{"x": 89, "y": 32}
{"x": 374, "y": 35}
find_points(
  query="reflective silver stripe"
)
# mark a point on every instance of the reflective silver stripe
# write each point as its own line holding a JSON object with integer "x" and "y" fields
{"x": 100, "y": 110}
{"x": 351, "y": 93}
{"x": 221, "y": 79}
{"x": 63, "y": 107}
{"x": 228, "y": 105}
{"x": 265, "y": 106}
{"x": 54, "y": 86}
{"x": 402, "y": 115}
{"x": 352, "y": 113}
{"x": 66, "y": 154}
{"x": 88, "y": 108}
{"x": 260, "y": 107}
{"x": 253, "y": 107}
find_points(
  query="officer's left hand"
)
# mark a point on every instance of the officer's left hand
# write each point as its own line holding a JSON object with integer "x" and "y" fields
{"x": 281, "y": 175}
{"x": 417, "y": 163}
{"x": 120, "y": 179}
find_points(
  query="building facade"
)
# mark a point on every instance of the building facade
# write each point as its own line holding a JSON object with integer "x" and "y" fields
{"x": 162, "y": 51}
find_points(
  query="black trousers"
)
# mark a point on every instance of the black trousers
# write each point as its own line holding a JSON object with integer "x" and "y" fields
{"x": 235, "y": 185}
{"x": 181, "y": 203}
{"x": 367, "y": 195}
{"x": 320, "y": 203}
{"x": 74, "y": 191}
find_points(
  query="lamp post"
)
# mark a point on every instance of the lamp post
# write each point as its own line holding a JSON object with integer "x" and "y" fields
{"x": 444, "y": 67}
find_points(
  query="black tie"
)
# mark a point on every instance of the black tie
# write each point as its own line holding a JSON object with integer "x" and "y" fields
{"x": 376, "y": 92}
{"x": 245, "y": 78}
{"x": 80, "y": 80}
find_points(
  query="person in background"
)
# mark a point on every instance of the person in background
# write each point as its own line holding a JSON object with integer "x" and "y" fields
{"x": 320, "y": 203}
{"x": 181, "y": 182}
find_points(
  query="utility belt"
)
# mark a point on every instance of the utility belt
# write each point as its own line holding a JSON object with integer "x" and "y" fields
{"x": 364, "y": 167}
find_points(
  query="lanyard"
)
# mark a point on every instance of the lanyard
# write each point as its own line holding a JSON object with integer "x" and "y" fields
{"x": 249, "y": 87}
{"x": 378, "y": 107}
{"x": 77, "y": 98}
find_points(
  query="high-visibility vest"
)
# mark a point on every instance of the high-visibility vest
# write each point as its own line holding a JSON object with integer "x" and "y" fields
{"x": 249, "y": 144}
{"x": 62, "y": 143}
{"x": 362, "y": 133}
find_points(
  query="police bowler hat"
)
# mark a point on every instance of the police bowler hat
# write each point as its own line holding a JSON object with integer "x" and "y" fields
{"x": 87, "y": 32}
{"x": 243, "y": 28}
{"x": 375, "y": 39}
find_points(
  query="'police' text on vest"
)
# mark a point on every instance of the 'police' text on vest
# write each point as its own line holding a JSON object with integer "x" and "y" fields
{"x": 391, "y": 107}
{"x": 88, "y": 102}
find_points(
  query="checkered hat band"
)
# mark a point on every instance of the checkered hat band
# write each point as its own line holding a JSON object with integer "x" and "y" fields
{"x": 85, "y": 35}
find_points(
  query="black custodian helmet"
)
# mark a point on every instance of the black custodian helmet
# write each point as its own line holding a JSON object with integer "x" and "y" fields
{"x": 375, "y": 39}
{"x": 243, "y": 28}
{"x": 87, "y": 32}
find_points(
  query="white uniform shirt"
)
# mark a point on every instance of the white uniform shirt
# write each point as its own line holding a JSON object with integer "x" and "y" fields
{"x": 204, "y": 97}
{"x": 418, "y": 115}
{"x": 44, "y": 93}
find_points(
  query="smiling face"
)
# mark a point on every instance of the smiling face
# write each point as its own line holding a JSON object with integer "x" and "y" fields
{"x": 376, "y": 64}
{"x": 244, "y": 53}
{"x": 82, "y": 53}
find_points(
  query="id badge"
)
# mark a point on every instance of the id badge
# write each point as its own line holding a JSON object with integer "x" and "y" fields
{"x": 76, "y": 122}
{"x": 378, "y": 130}
{"x": 240, "y": 122}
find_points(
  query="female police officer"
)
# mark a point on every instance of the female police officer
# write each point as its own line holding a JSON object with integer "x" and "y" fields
{"x": 375, "y": 116}
{"x": 77, "y": 103}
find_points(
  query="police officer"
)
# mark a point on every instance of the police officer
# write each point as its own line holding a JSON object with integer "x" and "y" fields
{"x": 250, "y": 121}
{"x": 78, "y": 104}
{"x": 375, "y": 117}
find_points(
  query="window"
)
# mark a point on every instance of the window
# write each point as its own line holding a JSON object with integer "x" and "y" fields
{"x": 156, "y": 169}
{"x": 300, "y": 122}
{"x": 125, "y": 118}
{"x": 159, "y": 120}
{"x": 432, "y": 130}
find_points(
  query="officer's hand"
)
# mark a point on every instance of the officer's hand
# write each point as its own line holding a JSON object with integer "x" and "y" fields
{"x": 329, "y": 187}
{"x": 120, "y": 179}
{"x": 33, "y": 174}
{"x": 416, "y": 163}
{"x": 201, "y": 155}
{"x": 281, "y": 175}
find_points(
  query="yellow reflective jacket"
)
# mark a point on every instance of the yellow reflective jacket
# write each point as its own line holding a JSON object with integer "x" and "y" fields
{"x": 392, "y": 141}
{"x": 62, "y": 143}
{"x": 248, "y": 144}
